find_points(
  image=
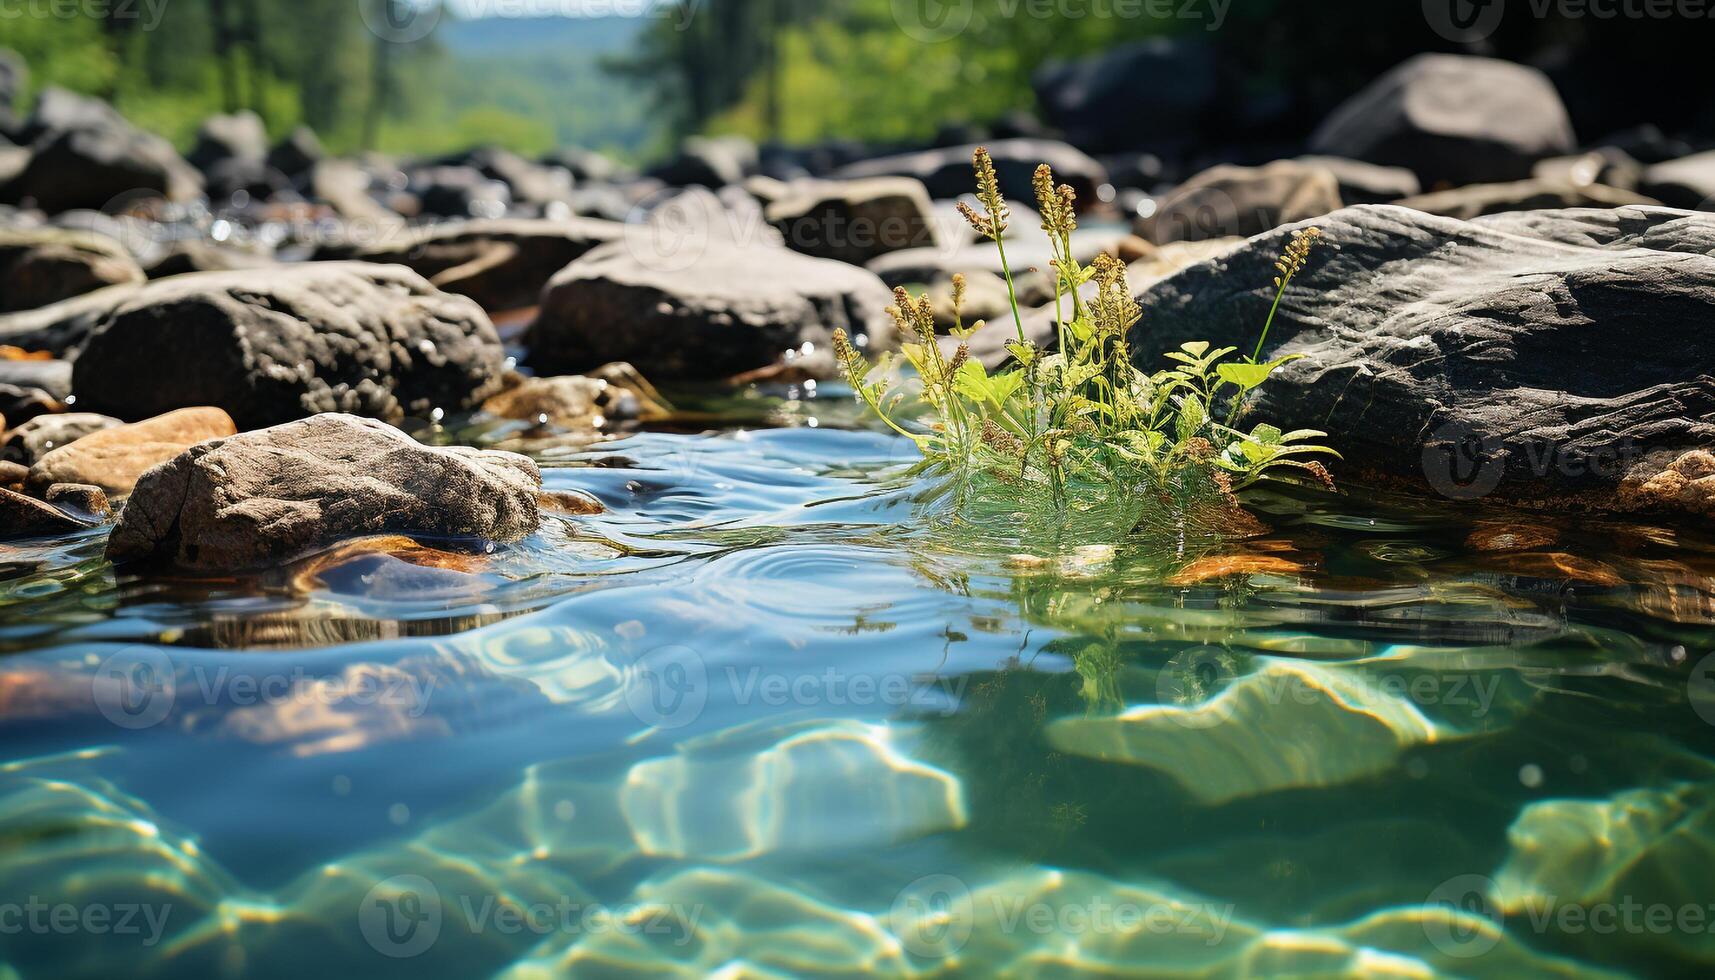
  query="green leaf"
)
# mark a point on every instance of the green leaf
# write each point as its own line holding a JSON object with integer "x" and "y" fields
{"x": 1244, "y": 375}
{"x": 1196, "y": 348}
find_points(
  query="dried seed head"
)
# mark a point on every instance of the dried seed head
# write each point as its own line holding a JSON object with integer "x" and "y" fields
{"x": 1321, "y": 473}
{"x": 958, "y": 292}
{"x": 1296, "y": 254}
{"x": 988, "y": 192}
{"x": 983, "y": 226}
{"x": 998, "y": 438}
{"x": 960, "y": 356}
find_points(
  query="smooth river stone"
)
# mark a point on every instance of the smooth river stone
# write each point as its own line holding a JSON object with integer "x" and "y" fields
{"x": 726, "y": 803}
{"x": 716, "y": 922}
{"x": 1653, "y": 848}
{"x": 1288, "y": 725}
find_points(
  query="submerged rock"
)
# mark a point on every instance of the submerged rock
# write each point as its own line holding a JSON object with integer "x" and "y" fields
{"x": 1453, "y": 119}
{"x": 274, "y": 494}
{"x": 113, "y": 458}
{"x": 727, "y": 310}
{"x": 45, "y": 265}
{"x": 1532, "y": 356}
{"x": 328, "y": 337}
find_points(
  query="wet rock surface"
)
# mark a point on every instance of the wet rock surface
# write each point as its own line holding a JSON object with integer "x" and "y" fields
{"x": 724, "y": 311}
{"x": 371, "y": 339}
{"x": 114, "y": 457}
{"x": 273, "y": 494}
{"x": 1531, "y": 357}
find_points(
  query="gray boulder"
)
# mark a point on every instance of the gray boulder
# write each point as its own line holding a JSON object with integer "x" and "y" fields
{"x": 86, "y": 156}
{"x": 716, "y": 311}
{"x": 1367, "y": 183}
{"x": 1229, "y": 200}
{"x": 712, "y": 162}
{"x": 297, "y": 153}
{"x": 1688, "y": 182}
{"x": 61, "y": 328}
{"x": 1096, "y": 102}
{"x": 501, "y": 263}
{"x": 854, "y": 220}
{"x": 40, "y": 266}
{"x": 1476, "y": 200}
{"x": 239, "y": 136}
{"x": 263, "y": 497}
{"x": 1540, "y": 357}
{"x": 1452, "y": 119}
{"x": 41, "y": 435}
{"x": 30, "y": 388}
{"x": 947, "y": 172}
{"x": 374, "y": 340}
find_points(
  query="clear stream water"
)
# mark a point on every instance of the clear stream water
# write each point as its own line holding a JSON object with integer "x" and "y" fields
{"x": 772, "y": 714}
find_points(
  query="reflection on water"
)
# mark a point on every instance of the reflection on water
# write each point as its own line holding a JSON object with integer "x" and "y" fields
{"x": 778, "y": 711}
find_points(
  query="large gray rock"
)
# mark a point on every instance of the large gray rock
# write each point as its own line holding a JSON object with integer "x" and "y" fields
{"x": 1476, "y": 200}
{"x": 36, "y": 438}
{"x": 947, "y": 172}
{"x": 30, "y": 388}
{"x": 712, "y": 162}
{"x": 1536, "y": 356}
{"x": 374, "y": 340}
{"x": 501, "y": 263}
{"x": 721, "y": 310}
{"x": 1452, "y": 119}
{"x": 1688, "y": 182}
{"x": 1367, "y": 183}
{"x": 39, "y": 266}
{"x": 1230, "y": 200}
{"x": 854, "y": 220}
{"x": 1096, "y": 100}
{"x": 87, "y": 156}
{"x": 61, "y": 328}
{"x": 239, "y": 136}
{"x": 266, "y": 496}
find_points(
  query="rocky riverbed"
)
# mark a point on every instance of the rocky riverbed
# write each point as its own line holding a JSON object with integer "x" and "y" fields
{"x": 211, "y": 352}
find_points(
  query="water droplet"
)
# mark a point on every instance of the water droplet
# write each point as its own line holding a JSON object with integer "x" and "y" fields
{"x": 399, "y": 814}
{"x": 1530, "y": 775}
{"x": 437, "y": 415}
{"x": 565, "y": 810}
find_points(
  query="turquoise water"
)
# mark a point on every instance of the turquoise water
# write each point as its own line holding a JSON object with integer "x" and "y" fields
{"x": 777, "y": 713}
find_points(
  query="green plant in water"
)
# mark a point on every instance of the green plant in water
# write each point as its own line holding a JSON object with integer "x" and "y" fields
{"x": 1084, "y": 418}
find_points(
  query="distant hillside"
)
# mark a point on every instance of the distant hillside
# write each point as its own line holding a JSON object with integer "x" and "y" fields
{"x": 548, "y": 69}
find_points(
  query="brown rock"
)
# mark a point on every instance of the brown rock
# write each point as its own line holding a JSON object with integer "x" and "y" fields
{"x": 81, "y": 499}
{"x": 113, "y": 459}
{"x": 27, "y": 517}
{"x": 279, "y": 493}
